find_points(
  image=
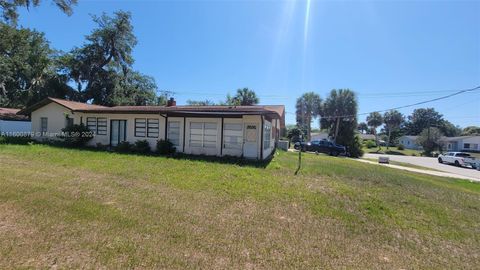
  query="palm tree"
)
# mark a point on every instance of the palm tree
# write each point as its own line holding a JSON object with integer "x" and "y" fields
{"x": 244, "y": 97}
{"x": 393, "y": 119}
{"x": 363, "y": 127}
{"x": 340, "y": 106}
{"x": 307, "y": 107}
{"x": 375, "y": 120}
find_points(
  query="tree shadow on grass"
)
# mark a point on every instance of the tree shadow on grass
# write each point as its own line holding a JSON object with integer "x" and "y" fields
{"x": 239, "y": 161}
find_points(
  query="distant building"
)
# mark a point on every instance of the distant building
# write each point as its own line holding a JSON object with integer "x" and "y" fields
{"x": 366, "y": 137}
{"x": 319, "y": 136}
{"x": 461, "y": 143}
{"x": 11, "y": 123}
{"x": 410, "y": 142}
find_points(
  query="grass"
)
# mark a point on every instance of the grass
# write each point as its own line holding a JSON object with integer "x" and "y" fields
{"x": 393, "y": 151}
{"x": 70, "y": 208}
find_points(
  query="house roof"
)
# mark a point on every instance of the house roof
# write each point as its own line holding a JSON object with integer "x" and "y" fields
{"x": 367, "y": 136}
{"x": 275, "y": 111}
{"x": 11, "y": 114}
{"x": 410, "y": 137}
{"x": 71, "y": 105}
{"x": 458, "y": 138}
{"x": 443, "y": 138}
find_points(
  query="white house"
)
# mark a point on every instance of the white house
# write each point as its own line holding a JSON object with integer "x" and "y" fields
{"x": 319, "y": 136}
{"x": 12, "y": 124}
{"x": 462, "y": 143}
{"x": 410, "y": 142}
{"x": 242, "y": 131}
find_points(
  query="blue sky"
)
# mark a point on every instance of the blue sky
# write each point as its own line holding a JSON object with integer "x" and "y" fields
{"x": 389, "y": 53}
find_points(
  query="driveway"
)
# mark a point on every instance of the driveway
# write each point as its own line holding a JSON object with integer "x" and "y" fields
{"x": 432, "y": 163}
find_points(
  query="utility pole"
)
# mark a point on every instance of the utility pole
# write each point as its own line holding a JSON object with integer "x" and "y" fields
{"x": 299, "y": 155}
{"x": 337, "y": 125}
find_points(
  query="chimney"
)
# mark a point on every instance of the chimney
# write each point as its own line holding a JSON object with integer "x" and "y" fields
{"x": 171, "y": 102}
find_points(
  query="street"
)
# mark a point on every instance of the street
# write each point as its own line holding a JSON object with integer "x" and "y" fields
{"x": 432, "y": 163}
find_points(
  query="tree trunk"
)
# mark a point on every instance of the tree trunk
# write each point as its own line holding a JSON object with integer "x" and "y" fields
{"x": 337, "y": 125}
{"x": 309, "y": 127}
{"x": 389, "y": 134}
{"x": 376, "y": 138}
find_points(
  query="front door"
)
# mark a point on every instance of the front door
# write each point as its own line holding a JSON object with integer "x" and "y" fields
{"x": 118, "y": 131}
{"x": 250, "y": 144}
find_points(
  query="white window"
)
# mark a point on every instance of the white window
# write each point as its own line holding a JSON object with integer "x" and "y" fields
{"x": 203, "y": 134}
{"x": 97, "y": 125}
{"x": 146, "y": 127}
{"x": 232, "y": 136}
{"x": 43, "y": 124}
{"x": 101, "y": 126}
{"x": 92, "y": 124}
{"x": 267, "y": 133}
{"x": 68, "y": 122}
{"x": 140, "y": 127}
{"x": 152, "y": 128}
{"x": 173, "y": 133}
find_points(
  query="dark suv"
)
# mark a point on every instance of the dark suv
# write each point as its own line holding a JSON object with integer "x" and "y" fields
{"x": 322, "y": 146}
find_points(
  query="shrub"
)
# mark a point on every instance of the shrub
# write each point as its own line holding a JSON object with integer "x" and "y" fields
{"x": 355, "y": 147}
{"x": 370, "y": 144}
{"x": 124, "y": 147}
{"x": 141, "y": 146}
{"x": 400, "y": 147}
{"x": 15, "y": 140}
{"x": 102, "y": 146}
{"x": 165, "y": 147}
{"x": 76, "y": 135}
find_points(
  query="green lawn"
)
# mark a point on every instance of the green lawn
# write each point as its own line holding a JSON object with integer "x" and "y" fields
{"x": 393, "y": 151}
{"x": 404, "y": 164}
{"x": 78, "y": 208}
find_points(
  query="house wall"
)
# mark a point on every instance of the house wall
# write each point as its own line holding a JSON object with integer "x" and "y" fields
{"x": 130, "y": 136}
{"x": 233, "y": 152}
{"x": 189, "y": 149}
{"x": 474, "y": 144}
{"x": 409, "y": 143}
{"x": 56, "y": 115}
{"x": 267, "y": 150}
{"x": 257, "y": 120}
{"x": 460, "y": 143}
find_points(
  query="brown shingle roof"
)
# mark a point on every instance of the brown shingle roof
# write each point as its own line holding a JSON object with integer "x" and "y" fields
{"x": 11, "y": 114}
{"x": 277, "y": 110}
{"x": 72, "y": 105}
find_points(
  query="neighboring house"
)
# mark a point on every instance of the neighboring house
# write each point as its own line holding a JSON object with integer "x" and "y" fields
{"x": 410, "y": 142}
{"x": 248, "y": 131}
{"x": 366, "y": 137}
{"x": 319, "y": 136}
{"x": 462, "y": 143}
{"x": 12, "y": 124}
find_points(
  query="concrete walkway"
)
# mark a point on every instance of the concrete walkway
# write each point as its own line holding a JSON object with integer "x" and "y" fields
{"x": 436, "y": 173}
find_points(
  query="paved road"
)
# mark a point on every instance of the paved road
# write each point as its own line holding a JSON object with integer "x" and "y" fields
{"x": 431, "y": 163}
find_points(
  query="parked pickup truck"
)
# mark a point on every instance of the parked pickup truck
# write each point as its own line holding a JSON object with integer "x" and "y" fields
{"x": 458, "y": 158}
{"x": 322, "y": 146}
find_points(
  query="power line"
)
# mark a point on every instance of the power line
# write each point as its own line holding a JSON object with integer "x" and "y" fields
{"x": 458, "y": 92}
{"x": 365, "y": 95}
